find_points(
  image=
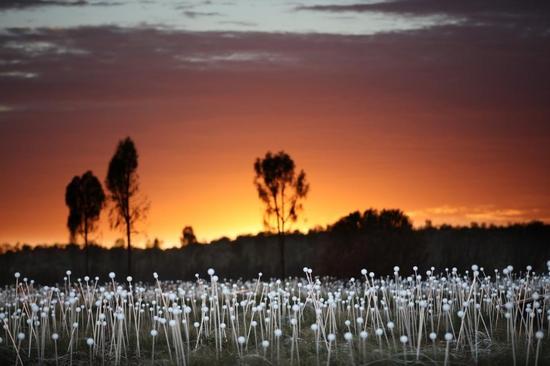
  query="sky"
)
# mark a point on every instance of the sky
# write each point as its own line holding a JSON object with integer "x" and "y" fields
{"x": 439, "y": 108}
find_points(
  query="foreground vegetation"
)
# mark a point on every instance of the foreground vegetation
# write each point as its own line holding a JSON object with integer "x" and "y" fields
{"x": 436, "y": 317}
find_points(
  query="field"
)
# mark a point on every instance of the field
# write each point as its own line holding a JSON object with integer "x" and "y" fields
{"x": 436, "y": 317}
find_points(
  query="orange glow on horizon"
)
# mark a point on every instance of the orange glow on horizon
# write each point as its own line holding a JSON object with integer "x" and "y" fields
{"x": 221, "y": 200}
{"x": 388, "y": 121}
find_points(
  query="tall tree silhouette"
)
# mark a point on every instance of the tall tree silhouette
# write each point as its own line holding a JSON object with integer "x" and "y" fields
{"x": 123, "y": 184}
{"x": 282, "y": 191}
{"x": 85, "y": 198}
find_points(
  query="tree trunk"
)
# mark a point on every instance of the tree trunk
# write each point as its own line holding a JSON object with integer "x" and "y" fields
{"x": 282, "y": 254}
{"x": 86, "y": 253}
{"x": 129, "y": 248}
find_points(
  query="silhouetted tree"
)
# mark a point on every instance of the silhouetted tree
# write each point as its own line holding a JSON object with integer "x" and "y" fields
{"x": 350, "y": 223}
{"x": 85, "y": 198}
{"x": 73, "y": 222}
{"x": 394, "y": 219}
{"x": 157, "y": 243}
{"x": 123, "y": 184}
{"x": 372, "y": 220}
{"x": 187, "y": 236}
{"x": 281, "y": 190}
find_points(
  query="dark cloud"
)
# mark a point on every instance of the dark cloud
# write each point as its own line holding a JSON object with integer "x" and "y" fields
{"x": 195, "y": 14}
{"x": 490, "y": 71}
{"x": 242, "y": 23}
{"x": 425, "y": 7}
{"x": 7, "y": 4}
{"x": 106, "y": 3}
{"x": 503, "y": 11}
{"x": 30, "y": 3}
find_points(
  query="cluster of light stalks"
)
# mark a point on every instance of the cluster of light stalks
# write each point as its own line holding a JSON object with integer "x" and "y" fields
{"x": 440, "y": 317}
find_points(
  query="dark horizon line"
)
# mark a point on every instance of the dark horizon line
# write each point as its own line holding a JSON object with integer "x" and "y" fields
{"x": 314, "y": 230}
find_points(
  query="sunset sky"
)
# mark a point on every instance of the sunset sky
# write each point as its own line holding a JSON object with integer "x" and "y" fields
{"x": 440, "y": 108}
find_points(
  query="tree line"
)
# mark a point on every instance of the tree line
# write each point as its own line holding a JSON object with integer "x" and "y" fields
{"x": 373, "y": 239}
